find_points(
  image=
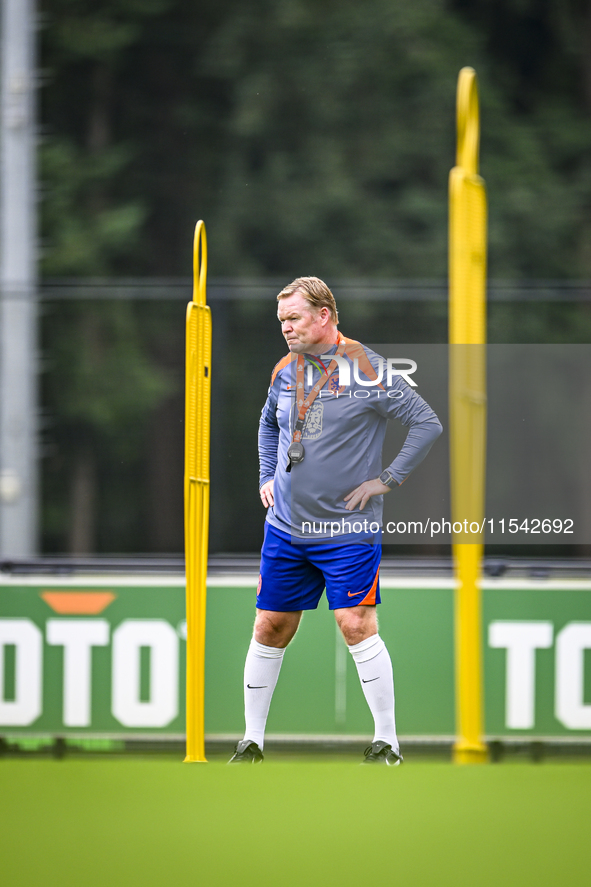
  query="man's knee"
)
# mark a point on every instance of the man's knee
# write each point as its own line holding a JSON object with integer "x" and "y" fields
{"x": 275, "y": 629}
{"x": 357, "y": 623}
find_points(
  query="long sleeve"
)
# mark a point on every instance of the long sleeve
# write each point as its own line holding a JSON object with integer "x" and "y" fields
{"x": 403, "y": 403}
{"x": 268, "y": 439}
{"x": 422, "y": 435}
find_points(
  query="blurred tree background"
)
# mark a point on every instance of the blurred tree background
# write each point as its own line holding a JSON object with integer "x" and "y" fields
{"x": 314, "y": 137}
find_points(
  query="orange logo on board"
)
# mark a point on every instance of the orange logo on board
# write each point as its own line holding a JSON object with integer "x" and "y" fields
{"x": 70, "y": 603}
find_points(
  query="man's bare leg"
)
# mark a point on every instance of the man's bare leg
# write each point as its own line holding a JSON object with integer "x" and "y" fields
{"x": 357, "y": 623}
{"x": 275, "y": 629}
{"x": 359, "y": 626}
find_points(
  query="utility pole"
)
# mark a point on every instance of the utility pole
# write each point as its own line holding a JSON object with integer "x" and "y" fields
{"x": 18, "y": 304}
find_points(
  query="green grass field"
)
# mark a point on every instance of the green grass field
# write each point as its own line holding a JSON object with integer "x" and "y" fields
{"x": 146, "y": 821}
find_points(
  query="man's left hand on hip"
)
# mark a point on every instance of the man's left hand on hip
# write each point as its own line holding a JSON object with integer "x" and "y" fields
{"x": 361, "y": 495}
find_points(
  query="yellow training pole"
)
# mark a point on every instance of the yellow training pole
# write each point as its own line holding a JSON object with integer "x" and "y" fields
{"x": 197, "y": 427}
{"x": 467, "y": 338}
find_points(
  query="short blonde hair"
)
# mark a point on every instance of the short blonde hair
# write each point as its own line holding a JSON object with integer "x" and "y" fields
{"x": 315, "y": 292}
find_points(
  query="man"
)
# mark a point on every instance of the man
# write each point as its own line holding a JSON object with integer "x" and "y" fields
{"x": 321, "y": 480}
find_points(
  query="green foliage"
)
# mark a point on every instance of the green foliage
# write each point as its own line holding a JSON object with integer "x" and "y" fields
{"x": 100, "y": 388}
{"x": 110, "y": 382}
{"x": 83, "y": 242}
{"x": 314, "y": 137}
{"x": 538, "y": 60}
{"x": 311, "y": 135}
{"x": 88, "y": 222}
{"x": 341, "y": 130}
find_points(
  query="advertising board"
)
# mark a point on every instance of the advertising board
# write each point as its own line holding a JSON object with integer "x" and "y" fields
{"x": 104, "y": 657}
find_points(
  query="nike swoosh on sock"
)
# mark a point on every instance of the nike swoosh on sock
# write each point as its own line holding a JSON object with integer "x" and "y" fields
{"x": 370, "y": 680}
{"x": 262, "y": 687}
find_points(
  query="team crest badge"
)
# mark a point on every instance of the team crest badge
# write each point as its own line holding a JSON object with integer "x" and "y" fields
{"x": 334, "y": 387}
{"x": 313, "y": 425}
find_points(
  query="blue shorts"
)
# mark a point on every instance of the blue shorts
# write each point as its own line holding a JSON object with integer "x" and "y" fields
{"x": 293, "y": 576}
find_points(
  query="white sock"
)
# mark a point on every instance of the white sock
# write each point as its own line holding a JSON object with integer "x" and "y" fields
{"x": 374, "y": 667}
{"x": 261, "y": 671}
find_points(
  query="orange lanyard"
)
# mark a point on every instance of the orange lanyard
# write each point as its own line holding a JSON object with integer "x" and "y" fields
{"x": 304, "y": 404}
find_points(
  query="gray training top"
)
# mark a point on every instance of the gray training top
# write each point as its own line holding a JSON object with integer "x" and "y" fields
{"x": 343, "y": 436}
